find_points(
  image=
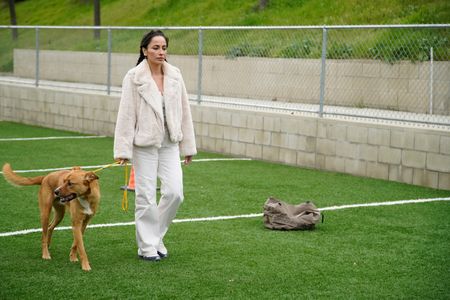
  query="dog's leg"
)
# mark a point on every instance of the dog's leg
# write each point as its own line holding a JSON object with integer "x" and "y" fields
{"x": 73, "y": 252}
{"x": 45, "y": 207}
{"x": 78, "y": 244}
{"x": 59, "y": 215}
{"x": 85, "y": 223}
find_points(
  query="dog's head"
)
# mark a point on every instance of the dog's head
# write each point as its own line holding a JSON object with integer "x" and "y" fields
{"x": 76, "y": 183}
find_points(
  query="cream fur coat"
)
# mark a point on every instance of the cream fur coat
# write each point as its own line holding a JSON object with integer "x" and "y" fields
{"x": 140, "y": 120}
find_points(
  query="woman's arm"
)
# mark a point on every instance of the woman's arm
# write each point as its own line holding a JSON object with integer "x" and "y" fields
{"x": 126, "y": 120}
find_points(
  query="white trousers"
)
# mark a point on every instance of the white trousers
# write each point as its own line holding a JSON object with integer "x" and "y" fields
{"x": 152, "y": 218}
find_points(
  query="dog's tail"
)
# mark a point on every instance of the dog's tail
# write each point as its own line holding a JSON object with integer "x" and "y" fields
{"x": 18, "y": 180}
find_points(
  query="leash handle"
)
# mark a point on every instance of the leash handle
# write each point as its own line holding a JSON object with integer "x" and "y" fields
{"x": 125, "y": 194}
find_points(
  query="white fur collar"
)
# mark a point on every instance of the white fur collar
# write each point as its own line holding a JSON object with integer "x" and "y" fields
{"x": 143, "y": 73}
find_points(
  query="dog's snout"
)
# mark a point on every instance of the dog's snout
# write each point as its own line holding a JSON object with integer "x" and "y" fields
{"x": 57, "y": 191}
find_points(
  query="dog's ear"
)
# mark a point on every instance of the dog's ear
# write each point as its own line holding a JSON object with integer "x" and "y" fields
{"x": 90, "y": 176}
{"x": 76, "y": 168}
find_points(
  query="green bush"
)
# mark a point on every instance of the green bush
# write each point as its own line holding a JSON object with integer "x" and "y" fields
{"x": 299, "y": 49}
{"x": 340, "y": 51}
{"x": 246, "y": 49}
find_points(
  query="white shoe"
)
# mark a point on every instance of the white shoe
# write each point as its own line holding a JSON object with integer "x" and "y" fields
{"x": 150, "y": 258}
{"x": 162, "y": 250}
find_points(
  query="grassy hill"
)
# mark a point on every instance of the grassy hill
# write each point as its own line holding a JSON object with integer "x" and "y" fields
{"x": 384, "y": 45}
{"x": 228, "y": 12}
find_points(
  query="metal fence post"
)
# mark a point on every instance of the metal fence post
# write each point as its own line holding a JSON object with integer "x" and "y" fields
{"x": 322, "y": 71}
{"x": 431, "y": 81}
{"x": 200, "y": 61}
{"x": 37, "y": 58}
{"x": 108, "y": 80}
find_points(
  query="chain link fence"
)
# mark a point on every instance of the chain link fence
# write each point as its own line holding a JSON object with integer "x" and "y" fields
{"x": 390, "y": 73}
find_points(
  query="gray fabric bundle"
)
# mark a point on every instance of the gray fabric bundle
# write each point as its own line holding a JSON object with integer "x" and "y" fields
{"x": 283, "y": 216}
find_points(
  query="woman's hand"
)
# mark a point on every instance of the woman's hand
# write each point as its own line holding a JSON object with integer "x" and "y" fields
{"x": 187, "y": 159}
{"x": 122, "y": 161}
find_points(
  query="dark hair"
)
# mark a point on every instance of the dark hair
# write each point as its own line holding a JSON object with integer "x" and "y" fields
{"x": 147, "y": 39}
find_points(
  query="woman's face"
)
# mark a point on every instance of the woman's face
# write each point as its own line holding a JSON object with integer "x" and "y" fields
{"x": 156, "y": 50}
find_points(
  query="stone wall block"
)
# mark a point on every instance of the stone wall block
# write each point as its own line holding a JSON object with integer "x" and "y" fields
{"x": 306, "y": 159}
{"x": 368, "y": 152}
{"x": 334, "y": 163}
{"x": 425, "y": 178}
{"x": 255, "y": 121}
{"x": 402, "y": 139}
{"x": 426, "y": 142}
{"x": 238, "y": 148}
{"x": 224, "y": 118}
{"x": 246, "y": 135}
{"x": 389, "y": 155}
{"x": 289, "y": 125}
{"x": 322, "y": 129}
{"x": 209, "y": 144}
{"x": 326, "y": 147}
{"x": 377, "y": 170}
{"x": 379, "y": 136}
{"x": 444, "y": 181}
{"x": 254, "y": 151}
{"x": 209, "y": 116}
{"x": 438, "y": 162}
{"x": 223, "y": 146}
{"x": 271, "y": 153}
{"x": 346, "y": 149}
{"x": 216, "y": 131}
{"x": 288, "y": 156}
{"x": 444, "y": 146}
{"x": 337, "y": 132}
{"x": 355, "y": 167}
{"x": 272, "y": 123}
{"x": 414, "y": 159}
{"x": 239, "y": 120}
{"x": 204, "y": 129}
{"x": 307, "y": 127}
{"x": 357, "y": 134}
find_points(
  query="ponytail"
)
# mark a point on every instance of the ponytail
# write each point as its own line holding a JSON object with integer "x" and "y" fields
{"x": 141, "y": 58}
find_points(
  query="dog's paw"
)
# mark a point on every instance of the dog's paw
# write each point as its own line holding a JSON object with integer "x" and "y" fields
{"x": 86, "y": 267}
{"x": 73, "y": 258}
{"x": 46, "y": 255}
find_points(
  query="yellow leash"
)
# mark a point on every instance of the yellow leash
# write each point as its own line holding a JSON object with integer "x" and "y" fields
{"x": 125, "y": 195}
{"x": 104, "y": 167}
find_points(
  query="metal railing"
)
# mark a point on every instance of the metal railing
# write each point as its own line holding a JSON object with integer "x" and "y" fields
{"x": 384, "y": 72}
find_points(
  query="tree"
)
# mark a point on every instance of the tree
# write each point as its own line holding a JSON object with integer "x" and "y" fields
{"x": 97, "y": 18}
{"x": 12, "y": 14}
{"x": 262, "y": 4}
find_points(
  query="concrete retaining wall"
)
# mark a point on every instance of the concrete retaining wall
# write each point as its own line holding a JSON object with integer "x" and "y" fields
{"x": 404, "y": 86}
{"x": 404, "y": 154}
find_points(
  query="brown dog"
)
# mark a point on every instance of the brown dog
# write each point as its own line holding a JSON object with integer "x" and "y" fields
{"x": 58, "y": 189}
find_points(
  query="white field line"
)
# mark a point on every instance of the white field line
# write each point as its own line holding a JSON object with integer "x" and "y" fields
{"x": 52, "y": 138}
{"x": 220, "y": 218}
{"x": 102, "y": 166}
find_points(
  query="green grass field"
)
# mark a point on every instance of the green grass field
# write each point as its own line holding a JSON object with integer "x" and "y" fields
{"x": 384, "y": 252}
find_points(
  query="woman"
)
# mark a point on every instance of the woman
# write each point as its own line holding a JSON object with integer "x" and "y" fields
{"x": 154, "y": 127}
